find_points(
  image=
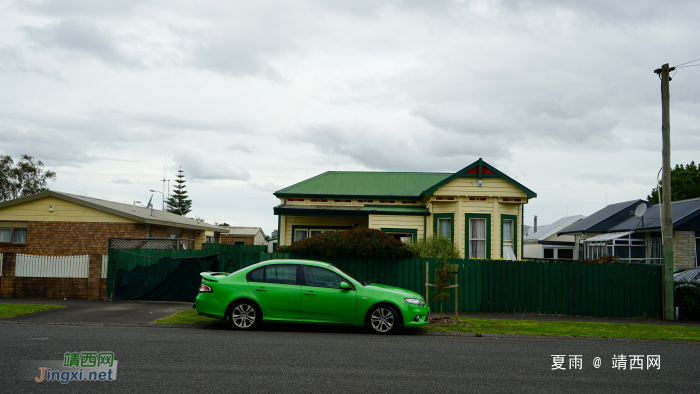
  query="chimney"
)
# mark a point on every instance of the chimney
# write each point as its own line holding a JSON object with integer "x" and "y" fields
{"x": 535, "y": 223}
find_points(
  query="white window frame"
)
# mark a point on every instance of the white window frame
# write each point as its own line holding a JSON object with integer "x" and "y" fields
{"x": 306, "y": 230}
{"x": 472, "y": 251}
{"x": 406, "y": 237}
{"x": 448, "y": 220}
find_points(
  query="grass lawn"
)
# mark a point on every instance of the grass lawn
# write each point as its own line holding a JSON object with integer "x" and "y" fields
{"x": 9, "y": 310}
{"x": 576, "y": 329}
{"x": 188, "y": 316}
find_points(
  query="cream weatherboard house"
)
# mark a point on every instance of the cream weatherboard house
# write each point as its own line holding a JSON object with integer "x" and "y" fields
{"x": 479, "y": 207}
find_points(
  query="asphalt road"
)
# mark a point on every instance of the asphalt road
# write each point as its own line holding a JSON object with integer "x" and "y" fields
{"x": 292, "y": 360}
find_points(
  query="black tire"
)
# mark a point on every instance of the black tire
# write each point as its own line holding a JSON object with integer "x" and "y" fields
{"x": 245, "y": 315}
{"x": 383, "y": 319}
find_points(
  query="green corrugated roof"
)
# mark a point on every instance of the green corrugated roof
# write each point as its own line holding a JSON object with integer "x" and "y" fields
{"x": 404, "y": 184}
{"x": 394, "y": 208}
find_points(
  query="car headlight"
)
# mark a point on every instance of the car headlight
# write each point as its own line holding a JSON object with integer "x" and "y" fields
{"x": 415, "y": 301}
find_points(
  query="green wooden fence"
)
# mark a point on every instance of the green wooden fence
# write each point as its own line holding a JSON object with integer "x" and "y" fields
{"x": 490, "y": 286}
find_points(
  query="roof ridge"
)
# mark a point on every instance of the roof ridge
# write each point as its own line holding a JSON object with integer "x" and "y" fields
{"x": 113, "y": 202}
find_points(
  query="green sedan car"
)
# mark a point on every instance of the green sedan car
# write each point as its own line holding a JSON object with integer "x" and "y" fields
{"x": 301, "y": 291}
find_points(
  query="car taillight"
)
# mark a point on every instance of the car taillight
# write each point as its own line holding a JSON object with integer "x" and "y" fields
{"x": 205, "y": 289}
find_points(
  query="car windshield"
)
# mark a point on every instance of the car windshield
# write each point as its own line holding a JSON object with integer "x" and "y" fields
{"x": 348, "y": 274}
{"x": 685, "y": 275}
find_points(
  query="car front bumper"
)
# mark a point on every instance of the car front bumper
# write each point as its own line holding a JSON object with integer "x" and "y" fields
{"x": 415, "y": 316}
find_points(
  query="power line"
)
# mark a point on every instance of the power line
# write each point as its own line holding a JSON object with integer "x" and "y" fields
{"x": 694, "y": 65}
{"x": 688, "y": 62}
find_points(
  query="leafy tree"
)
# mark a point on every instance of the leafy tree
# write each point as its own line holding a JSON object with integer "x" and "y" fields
{"x": 444, "y": 273}
{"x": 442, "y": 249}
{"x": 224, "y": 224}
{"x": 178, "y": 202}
{"x": 25, "y": 178}
{"x": 685, "y": 183}
{"x": 436, "y": 246}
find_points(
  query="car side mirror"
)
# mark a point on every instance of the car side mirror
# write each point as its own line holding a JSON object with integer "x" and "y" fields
{"x": 344, "y": 286}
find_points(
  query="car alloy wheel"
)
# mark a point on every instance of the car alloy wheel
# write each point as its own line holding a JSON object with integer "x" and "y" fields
{"x": 382, "y": 320}
{"x": 244, "y": 316}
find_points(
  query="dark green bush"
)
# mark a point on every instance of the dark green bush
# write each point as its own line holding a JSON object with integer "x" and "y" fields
{"x": 359, "y": 242}
{"x": 687, "y": 298}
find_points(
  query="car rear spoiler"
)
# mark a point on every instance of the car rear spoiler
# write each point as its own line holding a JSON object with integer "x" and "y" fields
{"x": 211, "y": 276}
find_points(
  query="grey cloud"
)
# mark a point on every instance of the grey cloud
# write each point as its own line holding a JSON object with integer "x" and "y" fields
{"x": 82, "y": 37}
{"x": 122, "y": 181}
{"x": 200, "y": 165}
{"x": 242, "y": 147}
{"x": 93, "y": 8}
{"x": 234, "y": 58}
{"x": 397, "y": 151}
{"x": 268, "y": 187}
{"x": 172, "y": 122}
{"x": 13, "y": 59}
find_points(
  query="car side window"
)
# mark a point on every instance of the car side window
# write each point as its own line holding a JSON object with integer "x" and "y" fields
{"x": 282, "y": 274}
{"x": 256, "y": 275}
{"x": 320, "y": 277}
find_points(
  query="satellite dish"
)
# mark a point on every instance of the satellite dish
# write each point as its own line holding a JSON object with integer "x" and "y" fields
{"x": 639, "y": 211}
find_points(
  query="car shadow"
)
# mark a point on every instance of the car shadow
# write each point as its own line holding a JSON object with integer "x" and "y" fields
{"x": 310, "y": 328}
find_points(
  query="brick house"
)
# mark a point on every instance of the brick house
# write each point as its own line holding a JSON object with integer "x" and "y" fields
{"x": 243, "y": 236}
{"x": 62, "y": 224}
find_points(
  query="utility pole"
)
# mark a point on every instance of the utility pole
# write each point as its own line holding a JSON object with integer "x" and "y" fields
{"x": 667, "y": 224}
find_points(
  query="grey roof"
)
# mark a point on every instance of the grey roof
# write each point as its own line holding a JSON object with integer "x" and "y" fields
{"x": 603, "y": 220}
{"x": 607, "y": 237}
{"x": 680, "y": 211}
{"x": 531, "y": 230}
{"x": 139, "y": 214}
{"x": 244, "y": 231}
{"x": 553, "y": 228}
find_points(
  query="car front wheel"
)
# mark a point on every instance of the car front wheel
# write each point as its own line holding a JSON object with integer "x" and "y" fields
{"x": 383, "y": 319}
{"x": 245, "y": 315}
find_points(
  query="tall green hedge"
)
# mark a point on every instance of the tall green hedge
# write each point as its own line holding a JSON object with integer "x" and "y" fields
{"x": 358, "y": 242}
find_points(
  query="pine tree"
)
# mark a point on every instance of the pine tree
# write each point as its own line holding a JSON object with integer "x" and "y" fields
{"x": 178, "y": 202}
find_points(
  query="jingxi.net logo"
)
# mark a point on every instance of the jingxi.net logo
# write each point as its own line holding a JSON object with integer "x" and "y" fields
{"x": 80, "y": 367}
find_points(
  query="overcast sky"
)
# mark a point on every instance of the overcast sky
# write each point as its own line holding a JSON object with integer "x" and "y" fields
{"x": 249, "y": 97}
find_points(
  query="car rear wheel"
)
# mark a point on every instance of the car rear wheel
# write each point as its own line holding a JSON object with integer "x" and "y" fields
{"x": 383, "y": 319}
{"x": 245, "y": 315}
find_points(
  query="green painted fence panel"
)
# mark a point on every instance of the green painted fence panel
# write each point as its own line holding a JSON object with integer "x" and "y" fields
{"x": 612, "y": 290}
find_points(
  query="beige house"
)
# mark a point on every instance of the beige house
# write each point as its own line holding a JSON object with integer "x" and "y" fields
{"x": 479, "y": 207}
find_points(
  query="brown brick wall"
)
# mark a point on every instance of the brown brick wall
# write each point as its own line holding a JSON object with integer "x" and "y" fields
{"x": 92, "y": 288}
{"x": 227, "y": 240}
{"x": 73, "y": 238}
{"x": 250, "y": 241}
{"x": 51, "y": 288}
{"x": 7, "y": 281}
{"x": 159, "y": 232}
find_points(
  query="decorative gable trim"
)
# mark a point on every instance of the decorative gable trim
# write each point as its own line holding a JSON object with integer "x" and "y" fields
{"x": 481, "y": 169}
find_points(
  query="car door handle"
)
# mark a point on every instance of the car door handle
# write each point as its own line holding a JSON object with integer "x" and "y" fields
{"x": 309, "y": 293}
{"x": 261, "y": 289}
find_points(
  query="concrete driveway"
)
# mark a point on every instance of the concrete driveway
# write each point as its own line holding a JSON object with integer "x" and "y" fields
{"x": 97, "y": 312}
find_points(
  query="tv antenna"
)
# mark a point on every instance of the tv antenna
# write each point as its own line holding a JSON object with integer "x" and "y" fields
{"x": 639, "y": 212}
{"x": 165, "y": 166}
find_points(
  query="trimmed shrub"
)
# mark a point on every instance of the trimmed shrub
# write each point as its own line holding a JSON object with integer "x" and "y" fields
{"x": 359, "y": 242}
{"x": 436, "y": 246}
{"x": 687, "y": 298}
